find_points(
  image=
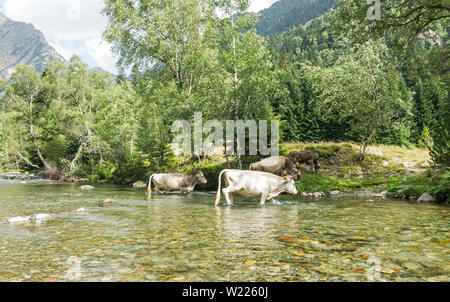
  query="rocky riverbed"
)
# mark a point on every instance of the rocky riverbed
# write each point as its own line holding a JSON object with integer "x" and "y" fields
{"x": 17, "y": 177}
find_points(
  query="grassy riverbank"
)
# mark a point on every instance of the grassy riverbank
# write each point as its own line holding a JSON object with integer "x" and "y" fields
{"x": 401, "y": 171}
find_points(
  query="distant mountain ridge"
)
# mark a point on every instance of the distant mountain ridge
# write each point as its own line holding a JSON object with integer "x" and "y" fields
{"x": 22, "y": 43}
{"x": 285, "y": 14}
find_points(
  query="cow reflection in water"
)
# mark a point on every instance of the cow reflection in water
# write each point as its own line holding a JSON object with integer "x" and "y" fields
{"x": 262, "y": 224}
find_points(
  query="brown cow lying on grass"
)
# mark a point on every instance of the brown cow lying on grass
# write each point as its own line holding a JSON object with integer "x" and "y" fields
{"x": 305, "y": 157}
{"x": 175, "y": 182}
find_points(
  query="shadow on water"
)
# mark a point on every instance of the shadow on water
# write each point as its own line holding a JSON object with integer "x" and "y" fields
{"x": 177, "y": 237}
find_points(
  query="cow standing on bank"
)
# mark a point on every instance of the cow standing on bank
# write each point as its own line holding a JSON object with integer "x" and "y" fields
{"x": 254, "y": 183}
{"x": 305, "y": 157}
{"x": 278, "y": 165}
{"x": 185, "y": 183}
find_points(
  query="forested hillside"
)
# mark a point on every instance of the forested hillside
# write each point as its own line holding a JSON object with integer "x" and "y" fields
{"x": 285, "y": 14}
{"x": 315, "y": 44}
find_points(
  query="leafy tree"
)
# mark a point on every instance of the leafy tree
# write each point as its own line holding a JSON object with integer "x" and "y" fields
{"x": 176, "y": 33}
{"x": 21, "y": 95}
{"x": 362, "y": 86}
{"x": 401, "y": 22}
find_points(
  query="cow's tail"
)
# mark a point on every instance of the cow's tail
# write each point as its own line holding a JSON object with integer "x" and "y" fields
{"x": 150, "y": 186}
{"x": 219, "y": 188}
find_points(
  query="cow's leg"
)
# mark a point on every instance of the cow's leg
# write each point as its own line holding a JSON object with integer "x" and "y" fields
{"x": 186, "y": 190}
{"x": 263, "y": 198}
{"x": 226, "y": 193}
{"x": 158, "y": 188}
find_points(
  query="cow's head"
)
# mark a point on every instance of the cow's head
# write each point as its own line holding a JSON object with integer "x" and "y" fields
{"x": 201, "y": 178}
{"x": 289, "y": 185}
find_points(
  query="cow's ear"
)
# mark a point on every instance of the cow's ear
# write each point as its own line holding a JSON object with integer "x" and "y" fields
{"x": 286, "y": 179}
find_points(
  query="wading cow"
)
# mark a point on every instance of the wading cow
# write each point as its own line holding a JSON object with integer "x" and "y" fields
{"x": 254, "y": 183}
{"x": 175, "y": 182}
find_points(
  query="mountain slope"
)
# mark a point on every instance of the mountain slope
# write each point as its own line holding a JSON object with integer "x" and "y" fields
{"x": 21, "y": 43}
{"x": 285, "y": 14}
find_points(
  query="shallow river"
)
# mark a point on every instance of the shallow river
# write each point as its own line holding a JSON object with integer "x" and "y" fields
{"x": 186, "y": 238}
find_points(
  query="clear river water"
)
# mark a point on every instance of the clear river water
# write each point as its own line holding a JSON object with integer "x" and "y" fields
{"x": 186, "y": 238}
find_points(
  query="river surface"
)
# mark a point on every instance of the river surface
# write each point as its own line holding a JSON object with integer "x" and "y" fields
{"x": 187, "y": 238}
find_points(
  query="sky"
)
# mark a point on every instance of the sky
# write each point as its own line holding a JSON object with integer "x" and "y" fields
{"x": 76, "y": 26}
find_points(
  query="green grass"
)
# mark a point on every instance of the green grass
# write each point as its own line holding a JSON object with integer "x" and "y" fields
{"x": 320, "y": 183}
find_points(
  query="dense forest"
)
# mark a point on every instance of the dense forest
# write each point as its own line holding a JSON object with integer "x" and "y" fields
{"x": 285, "y": 14}
{"x": 325, "y": 79}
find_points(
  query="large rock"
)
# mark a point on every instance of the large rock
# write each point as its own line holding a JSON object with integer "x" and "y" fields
{"x": 426, "y": 198}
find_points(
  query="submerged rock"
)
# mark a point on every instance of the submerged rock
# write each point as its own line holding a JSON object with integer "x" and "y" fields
{"x": 80, "y": 210}
{"x": 87, "y": 187}
{"x": 39, "y": 217}
{"x": 29, "y": 219}
{"x": 18, "y": 219}
{"x": 110, "y": 202}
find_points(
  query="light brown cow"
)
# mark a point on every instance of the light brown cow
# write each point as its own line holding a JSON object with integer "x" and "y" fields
{"x": 185, "y": 183}
{"x": 278, "y": 165}
{"x": 305, "y": 157}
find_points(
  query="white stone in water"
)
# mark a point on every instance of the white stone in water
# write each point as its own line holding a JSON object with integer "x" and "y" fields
{"x": 18, "y": 219}
{"x": 80, "y": 210}
{"x": 39, "y": 217}
{"x": 87, "y": 187}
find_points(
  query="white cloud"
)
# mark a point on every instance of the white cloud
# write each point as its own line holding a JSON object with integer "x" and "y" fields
{"x": 257, "y": 5}
{"x": 101, "y": 52}
{"x": 70, "y": 26}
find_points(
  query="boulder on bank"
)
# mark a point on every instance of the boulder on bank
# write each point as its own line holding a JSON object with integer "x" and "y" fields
{"x": 334, "y": 192}
{"x": 140, "y": 184}
{"x": 426, "y": 198}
